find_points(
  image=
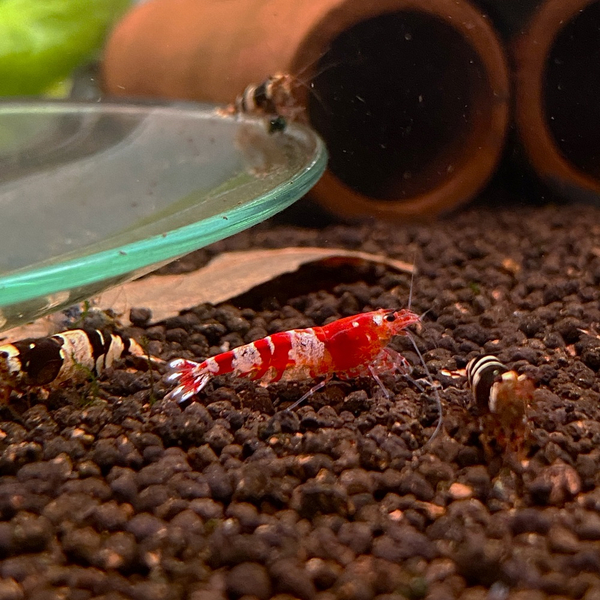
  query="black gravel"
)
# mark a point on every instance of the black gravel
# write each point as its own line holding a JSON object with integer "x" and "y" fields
{"x": 108, "y": 491}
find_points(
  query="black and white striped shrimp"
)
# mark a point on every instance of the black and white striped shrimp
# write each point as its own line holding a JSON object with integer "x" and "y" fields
{"x": 277, "y": 97}
{"x": 502, "y": 398}
{"x": 273, "y": 97}
{"x": 70, "y": 356}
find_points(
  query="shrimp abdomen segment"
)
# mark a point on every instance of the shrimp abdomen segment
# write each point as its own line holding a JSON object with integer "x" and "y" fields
{"x": 294, "y": 354}
{"x": 288, "y": 355}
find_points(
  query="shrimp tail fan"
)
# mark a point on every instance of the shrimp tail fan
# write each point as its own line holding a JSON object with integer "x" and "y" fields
{"x": 191, "y": 377}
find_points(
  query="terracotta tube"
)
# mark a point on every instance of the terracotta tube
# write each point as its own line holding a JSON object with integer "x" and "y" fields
{"x": 411, "y": 96}
{"x": 557, "y": 93}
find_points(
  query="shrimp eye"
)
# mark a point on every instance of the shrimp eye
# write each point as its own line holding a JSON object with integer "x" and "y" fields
{"x": 277, "y": 124}
{"x": 391, "y": 317}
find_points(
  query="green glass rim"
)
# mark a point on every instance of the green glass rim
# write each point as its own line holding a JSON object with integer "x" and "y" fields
{"x": 161, "y": 248}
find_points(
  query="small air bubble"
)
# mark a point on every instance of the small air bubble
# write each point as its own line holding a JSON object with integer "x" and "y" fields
{"x": 408, "y": 37}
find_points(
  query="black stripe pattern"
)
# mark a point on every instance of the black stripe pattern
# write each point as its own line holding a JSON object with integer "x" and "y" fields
{"x": 483, "y": 373}
{"x": 67, "y": 356}
{"x": 503, "y": 398}
{"x": 274, "y": 98}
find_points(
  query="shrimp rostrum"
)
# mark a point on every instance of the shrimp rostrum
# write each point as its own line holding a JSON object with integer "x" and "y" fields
{"x": 350, "y": 347}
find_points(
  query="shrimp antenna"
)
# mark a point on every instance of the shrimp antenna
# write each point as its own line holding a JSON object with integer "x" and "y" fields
{"x": 311, "y": 90}
{"x": 427, "y": 311}
{"x": 311, "y": 63}
{"x": 412, "y": 279}
{"x": 309, "y": 83}
{"x": 438, "y": 400}
{"x": 331, "y": 64}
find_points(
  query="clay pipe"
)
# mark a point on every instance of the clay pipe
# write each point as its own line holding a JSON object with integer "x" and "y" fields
{"x": 411, "y": 96}
{"x": 557, "y": 112}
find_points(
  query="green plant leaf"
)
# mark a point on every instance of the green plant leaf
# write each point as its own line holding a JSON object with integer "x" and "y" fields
{"x": 42, "y": 41}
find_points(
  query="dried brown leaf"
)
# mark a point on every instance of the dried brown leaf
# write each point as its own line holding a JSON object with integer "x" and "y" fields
{"x": 228, "y": 275}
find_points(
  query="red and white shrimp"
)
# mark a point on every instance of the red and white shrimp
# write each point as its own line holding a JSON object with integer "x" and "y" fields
{"x": 349, "y": 347}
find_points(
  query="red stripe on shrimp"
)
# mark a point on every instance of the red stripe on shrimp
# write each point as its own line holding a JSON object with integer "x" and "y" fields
{"x": 268, "y": 348}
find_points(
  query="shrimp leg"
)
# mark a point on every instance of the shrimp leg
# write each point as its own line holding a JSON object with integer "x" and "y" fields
{"x": 308, "y": 394}
{"x": 380, "y": 383}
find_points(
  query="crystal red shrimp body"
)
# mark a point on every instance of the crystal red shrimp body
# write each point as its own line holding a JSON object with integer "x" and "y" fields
{"x": 349, "y": 347}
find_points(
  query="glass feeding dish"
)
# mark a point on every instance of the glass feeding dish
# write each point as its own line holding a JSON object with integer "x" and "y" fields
{"x": 92, "y": 195}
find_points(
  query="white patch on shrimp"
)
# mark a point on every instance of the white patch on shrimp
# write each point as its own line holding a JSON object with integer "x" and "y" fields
{"x": 493, "y": 401}
{"x": 269, "y": 376}
{"x": 114, "y": 352}
{"x": 211, "y": 365}
{"x": 378, "y": 319}
{"x": 136, "y": 350}
{"x": 246, "y": 358}
{"x": 297, "y": 373}
{"x": 355, "y": 324}
{"x": 270, "y": 344}
{"x": 77, "y": 354}
{"x": 509, "y": 377}
{"x": 9, "y": 355}
{"x": 307, "y": 349}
